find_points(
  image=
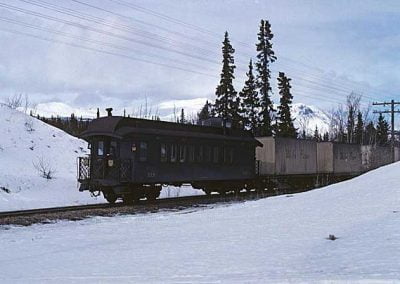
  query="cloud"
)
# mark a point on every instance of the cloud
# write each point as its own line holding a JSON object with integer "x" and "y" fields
{"x": 333, "y": 45}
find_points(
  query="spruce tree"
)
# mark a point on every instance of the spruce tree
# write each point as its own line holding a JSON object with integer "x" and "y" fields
{"x": 205, "y": 112}
{"x": 265, "y": 57}
{"x": 382, "y": 131}
{"x": 250, "y": 102}
{"x": 350, "y": 125}
{"x": 317, "y": 136}
{"x": 182, "y": 118}
{"x": 285, "y": 125}
{"x": 359, "y": 130}
{"x": 226, "y": 103}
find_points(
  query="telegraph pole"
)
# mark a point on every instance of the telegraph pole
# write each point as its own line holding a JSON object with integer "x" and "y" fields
{"x": 392, "y": 111}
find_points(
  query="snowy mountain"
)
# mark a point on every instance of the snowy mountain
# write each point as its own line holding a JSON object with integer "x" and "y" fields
{"x": 308, "y": 117}
{"x": 27, "y": 146}
{"x": 283, "y": 239}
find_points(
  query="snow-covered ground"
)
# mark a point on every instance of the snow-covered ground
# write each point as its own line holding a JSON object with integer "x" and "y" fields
{"x": 25, "y": 142}
{"x": 279, "y": 239}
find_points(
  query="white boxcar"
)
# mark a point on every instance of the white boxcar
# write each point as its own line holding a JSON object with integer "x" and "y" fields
{"x": 286, "y": 156}
{"x": 396, "y": 154}
{"x": 375, "y": 156}
{"x": 347, "y": 159}
{"x": 338, "y": 158}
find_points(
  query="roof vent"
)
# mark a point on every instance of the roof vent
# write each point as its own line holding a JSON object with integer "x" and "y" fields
{"x": 109, "y": 111}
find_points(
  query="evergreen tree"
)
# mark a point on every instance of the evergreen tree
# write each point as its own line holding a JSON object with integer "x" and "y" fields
{"x": 317, "y": 136}
{"x": 359, "y": 130}
{"x": 265, "y": 57}
{"x": 285, "y": 125}
{"x": 350, "y": 125}
{"x": 250, "y": 102}
{"x": 227, "y": 103}
{"x": 182, "y": 118}
{"x": 382, "y": 131}
{"x": 326, "y": 137}
{"x": 303, "y": 134}
{"x": 205, "y": 112}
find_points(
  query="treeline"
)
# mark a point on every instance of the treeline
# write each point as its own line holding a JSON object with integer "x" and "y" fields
{"x": 72, "y": 125}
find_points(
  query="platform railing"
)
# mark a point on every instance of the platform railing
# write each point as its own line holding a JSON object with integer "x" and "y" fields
{"x": 104, "y": 168}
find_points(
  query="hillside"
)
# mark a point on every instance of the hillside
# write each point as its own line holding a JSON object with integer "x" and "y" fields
{"x": 274, "y": 240}
{"x": 308, "y": 117}
{"x": 25, "y": 144}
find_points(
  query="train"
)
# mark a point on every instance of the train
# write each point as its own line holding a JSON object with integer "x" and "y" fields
{"x": 132, "y": 158}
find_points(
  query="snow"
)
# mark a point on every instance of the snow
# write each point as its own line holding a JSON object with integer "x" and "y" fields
{"x": 273, "y": 240}
{"x": 24, "y": 141}
{"x": 309, "y": 117}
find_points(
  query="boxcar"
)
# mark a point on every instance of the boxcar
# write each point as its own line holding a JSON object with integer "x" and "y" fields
{"x": 376, "y": 156}
{"x": 286, "y": 156}
{"x": 132, "y": 158}
{"x": 339, "y": 158}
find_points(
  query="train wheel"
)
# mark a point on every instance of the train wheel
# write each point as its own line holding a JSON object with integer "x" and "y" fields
{"x": 110, "y": 196}
{"x": 151, "y": 196}
{"x": 128, "y": 199}
{"x": 153, "y": 193}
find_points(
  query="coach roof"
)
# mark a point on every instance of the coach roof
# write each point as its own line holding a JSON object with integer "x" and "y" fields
{"x": 119, "y": 127}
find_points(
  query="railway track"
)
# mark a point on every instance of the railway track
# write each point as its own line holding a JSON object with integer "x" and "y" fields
{"x": 74, "y": 213}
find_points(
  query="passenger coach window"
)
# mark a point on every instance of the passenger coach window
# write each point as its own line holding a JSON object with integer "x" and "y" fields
{"x": 173, "y": 153}
{"x": 182, "y": 153}
{"x": 200, "y": 154}
{"x": 113, "y": 148}
{"x": 163, "y": 153}
{"x": 208, "y": 154}
{"x": 225, "y": 156}
{"x": 191, "y": 153}
{"x": 216, "y": 154}
{"x": 100, "y": 149}
{"x": 230, "y": 155}
{"x": 143, "y": 152}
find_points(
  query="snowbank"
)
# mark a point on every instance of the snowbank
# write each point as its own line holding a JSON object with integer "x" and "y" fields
{"x": 25, "y": 142}
{"x": 279, "y": 239}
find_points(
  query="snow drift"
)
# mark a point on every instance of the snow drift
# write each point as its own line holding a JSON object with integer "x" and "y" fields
{"x": 27, "y": 147}
{"x": 279, "y": 239}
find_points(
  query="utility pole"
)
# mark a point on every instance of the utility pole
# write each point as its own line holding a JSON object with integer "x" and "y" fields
{"x": 392, "y": 111}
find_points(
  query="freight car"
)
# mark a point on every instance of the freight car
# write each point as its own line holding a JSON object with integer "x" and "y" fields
{"x": 132, "y": 158}
{"x": 302, "y": 164}
{"x": 376, "y": 156}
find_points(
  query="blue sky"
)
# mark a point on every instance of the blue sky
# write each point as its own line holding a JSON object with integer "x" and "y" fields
{"x": 328, "y": 48}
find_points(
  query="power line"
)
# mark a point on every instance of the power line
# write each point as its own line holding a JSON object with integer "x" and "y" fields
{"x": 392, "y": 111}
{"x": 204, "y": 31}
{"x": 318, "y": 84}
{"x": 66, "y": 22}
{"x": 101, "y": 21}
{"x": 107, "y": 52}
{"x": 98, "y": 42}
